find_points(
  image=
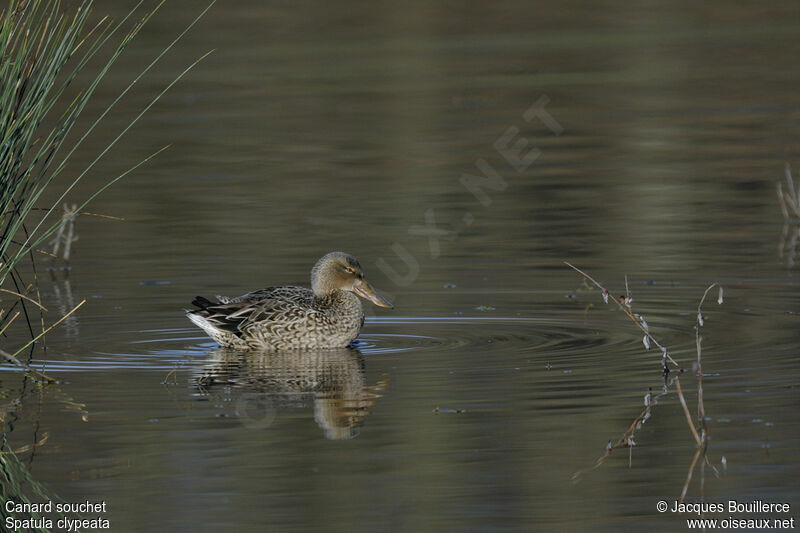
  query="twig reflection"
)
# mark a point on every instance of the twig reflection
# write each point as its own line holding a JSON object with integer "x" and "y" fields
{"x": 789, "y": 201}
{"x": 787, "y": 245}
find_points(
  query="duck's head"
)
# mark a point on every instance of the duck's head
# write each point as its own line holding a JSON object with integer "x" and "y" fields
{"x": 338, "y": 271}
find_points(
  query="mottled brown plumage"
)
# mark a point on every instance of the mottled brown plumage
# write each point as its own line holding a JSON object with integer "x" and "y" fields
{"x": 328, "y": 315}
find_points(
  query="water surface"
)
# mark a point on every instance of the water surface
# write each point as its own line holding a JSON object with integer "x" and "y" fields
{"x": 498, "y": 376}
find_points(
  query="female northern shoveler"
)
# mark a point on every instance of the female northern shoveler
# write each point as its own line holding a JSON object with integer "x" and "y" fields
{"x": 328, "y": 315}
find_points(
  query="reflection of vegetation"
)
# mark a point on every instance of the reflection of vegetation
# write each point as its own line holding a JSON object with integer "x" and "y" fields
{"x": 16, "y": 481}
{"x": 18, "y": 485}
{"x": 790, "y": 198}
{"x": 260, "y": 383}
{"x": 699, "y": 431}
{"x": 45, "y": 49}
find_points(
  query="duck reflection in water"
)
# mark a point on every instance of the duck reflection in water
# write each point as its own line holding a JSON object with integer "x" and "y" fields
{"x": 263, "y": 383}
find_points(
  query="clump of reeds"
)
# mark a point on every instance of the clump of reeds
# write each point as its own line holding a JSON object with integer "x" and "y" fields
{"x": 697, "y": 424}
{"x": 44, "y": 49}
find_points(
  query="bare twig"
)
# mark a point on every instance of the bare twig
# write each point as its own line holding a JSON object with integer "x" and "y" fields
{"x": 790, "y": 199}
{"x": 31, "y": 300}
{"x": 56, "y": 323}
{"x": 701, "y": 410}
{"x": 624, "y": 305}
{"x": 782, "y": 201}
{"x": 30, "y": 369}
{"x": 627, "y": 439}
{"x": 703, "y": 437}
{"x": 686, "y": 412}
{"x": 10, "y": 321}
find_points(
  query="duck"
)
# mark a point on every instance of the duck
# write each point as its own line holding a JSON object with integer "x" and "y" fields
{"x": 328, "y": 315}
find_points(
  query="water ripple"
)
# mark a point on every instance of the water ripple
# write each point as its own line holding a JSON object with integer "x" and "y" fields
{"x": 556, "y": 339}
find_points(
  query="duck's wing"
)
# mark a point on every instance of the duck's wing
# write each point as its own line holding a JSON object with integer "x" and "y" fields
{"x": 278, "y": 305}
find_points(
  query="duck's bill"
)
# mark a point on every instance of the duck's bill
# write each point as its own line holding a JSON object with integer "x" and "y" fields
{"x": 366, "y": 291}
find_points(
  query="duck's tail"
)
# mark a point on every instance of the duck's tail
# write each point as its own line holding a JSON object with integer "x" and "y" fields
{"x": 212, "y": 321}
{"x": 202, "y": 304}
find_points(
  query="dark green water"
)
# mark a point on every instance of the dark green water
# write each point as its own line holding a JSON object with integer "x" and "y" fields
{"x": 660, "y": 135}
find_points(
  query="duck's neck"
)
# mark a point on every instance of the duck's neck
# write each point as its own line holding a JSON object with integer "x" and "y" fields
{"x": 341, "y": 300}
